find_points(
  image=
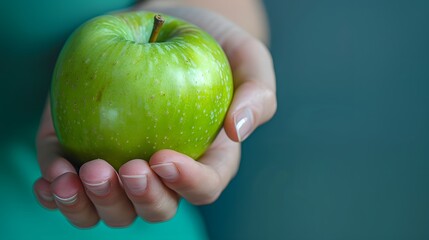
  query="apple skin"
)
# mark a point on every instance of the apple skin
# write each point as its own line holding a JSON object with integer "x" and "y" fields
{"x": 116, "y": 97}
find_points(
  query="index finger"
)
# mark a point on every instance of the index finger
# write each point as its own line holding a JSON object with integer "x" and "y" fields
{"x": 199, "y": 182}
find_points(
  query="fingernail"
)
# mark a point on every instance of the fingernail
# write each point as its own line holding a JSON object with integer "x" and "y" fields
{"x": 167, "y": 171}
{"x": 243, "y": 121}
{"x": 98, "y": 189}
{"x": 46, "y": 196}
{"x": 136, "y": 184}
{"x": 66, "y": 200}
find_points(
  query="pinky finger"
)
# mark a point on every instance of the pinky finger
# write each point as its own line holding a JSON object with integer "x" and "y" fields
{"x": 43, "y": 194}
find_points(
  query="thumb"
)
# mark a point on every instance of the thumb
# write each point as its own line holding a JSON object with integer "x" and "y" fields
{"x": 254, "y": 101}
{"x": 253, "y": 105}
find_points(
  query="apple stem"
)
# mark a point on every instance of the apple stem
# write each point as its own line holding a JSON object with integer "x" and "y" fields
{"x": 158, "y": 21}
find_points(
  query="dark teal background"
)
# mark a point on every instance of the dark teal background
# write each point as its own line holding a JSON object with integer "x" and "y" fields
{"x": 347, "y": 155}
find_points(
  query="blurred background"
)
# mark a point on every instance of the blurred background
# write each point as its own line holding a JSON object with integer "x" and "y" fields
{"x": 347, "y": 155}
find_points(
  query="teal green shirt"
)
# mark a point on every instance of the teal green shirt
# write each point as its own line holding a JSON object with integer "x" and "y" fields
{"x": 32, "y": 34}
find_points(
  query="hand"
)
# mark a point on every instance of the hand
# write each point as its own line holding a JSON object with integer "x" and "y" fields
{"x": 152, "y": 189}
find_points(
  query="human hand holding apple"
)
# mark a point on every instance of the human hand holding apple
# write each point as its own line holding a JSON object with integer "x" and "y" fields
{"x": 151, "y": 189}
{"x": 125, "y": 87}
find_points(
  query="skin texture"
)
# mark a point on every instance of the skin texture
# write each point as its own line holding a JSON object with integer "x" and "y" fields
{"x": 117, "y": 97}
{"x": 153, "y": 188}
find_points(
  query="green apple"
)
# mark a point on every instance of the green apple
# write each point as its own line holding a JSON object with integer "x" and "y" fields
{"x": 117, "y": 96}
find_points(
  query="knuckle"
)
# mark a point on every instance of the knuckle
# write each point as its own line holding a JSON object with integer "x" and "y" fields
{"x": 148, "y": 199}
{"x": 75, "y": 209}
{"x": 123, "y": 223}
{"x": 158, "y": 208}
{"x": 204, "y": 194}
{"x": 206, "y": 199}
{"x": 265, "y": 100}
{"x": 85, "y": 225}
{"x": 255, "y": 49}
{"x": 160, "y": 216}
{"x": 55, "y": 170}
{"x": 270, "y": 97}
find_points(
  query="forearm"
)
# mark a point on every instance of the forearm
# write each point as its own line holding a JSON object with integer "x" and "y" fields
{"x": 248, "y": 14}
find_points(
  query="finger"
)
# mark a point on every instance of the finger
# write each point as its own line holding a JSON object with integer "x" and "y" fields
{"x": 49, "y": 153}
{"x": 200, "y": 182}
{"x": 104, "y": 189}
{"x": 152, "y": 200}
{"x": 254, "y": 101}
{"x": 72, "y": 201}
{"x": 51, "y": 163}
{"x": 43, "y": 193}
{"x": 253, "y": 105}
